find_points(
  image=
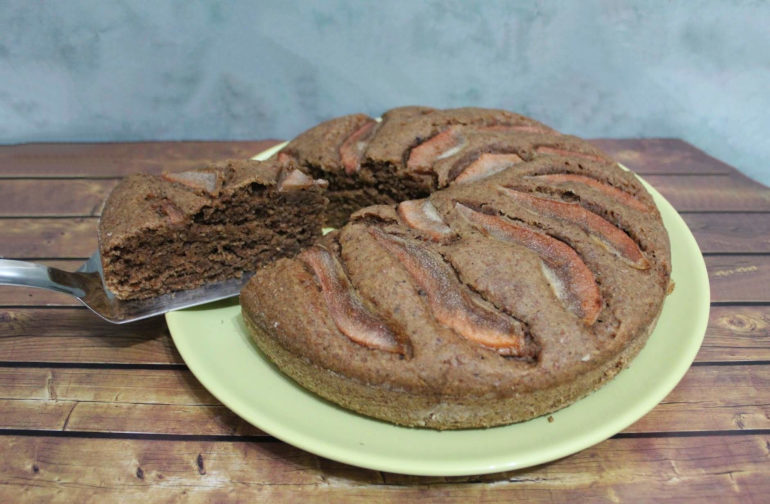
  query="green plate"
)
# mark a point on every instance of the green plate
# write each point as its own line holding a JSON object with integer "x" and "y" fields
{"x": 216, "y": 346}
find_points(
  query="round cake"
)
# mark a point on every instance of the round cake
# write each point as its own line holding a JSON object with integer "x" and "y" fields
{"x": 486, "y": 269}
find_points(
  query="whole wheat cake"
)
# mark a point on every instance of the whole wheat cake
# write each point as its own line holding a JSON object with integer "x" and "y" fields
{"x": 486, "y": 269}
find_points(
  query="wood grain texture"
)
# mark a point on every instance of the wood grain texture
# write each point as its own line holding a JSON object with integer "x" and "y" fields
{"x": 723, "y": 193}
{"x": 737, "y": 333}
{"x": 166, "y": 419}
{"x": 709, "y": 469}
{"x": 173, "y": 402}
{"x": 77, "y": 335}
{"x": 713, "y": 398}
{"x": 734, "y": 334}
{"x": 670, "y": 469}
{"x": 664, "y": 156}
{"x": 739, "y": 278}
{"x": 730, "y": 232}
{"x": 161, "y": 401}
{"x": 118, "y": 159}
{"x": 130, "y": 386}
{"x": 53, "y": 197}
{"x": 141, "y": 469}
{"x": 68, "y": 237}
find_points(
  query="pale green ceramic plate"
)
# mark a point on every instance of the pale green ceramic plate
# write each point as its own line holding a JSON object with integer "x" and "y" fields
{"x": 215, "y": 345}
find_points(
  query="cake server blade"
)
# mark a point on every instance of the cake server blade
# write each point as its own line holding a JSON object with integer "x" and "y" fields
{"x": 87, "y": 285}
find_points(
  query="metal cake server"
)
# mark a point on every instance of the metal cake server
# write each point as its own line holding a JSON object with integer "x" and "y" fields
{"x": 87, "y": 285}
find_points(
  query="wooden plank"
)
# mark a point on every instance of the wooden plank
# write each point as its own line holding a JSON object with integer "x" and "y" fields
{"x": 689, "y": 469}
{"x": 77, "y": 335}
{"x": 167, "y": 419}
{"x": 720, "y": 193}
{"x": 34, "y": 415}
{"x": 106, "y": 470}
{"x": 730, "y": 232}
{"x": 737, "y": 333}
{"x": 713, "y": 398}
{"x": 739, "y": 278}
{"x": 75, "y": 237}
{"x": 51, "y": 197}
{"x": 668, "y": 470}
{"x": 160, "y": 401}
{"x": 118, "y": 159}
{"x": 128, "y": 386}
{"x": 173, "y": 402}
{"x": 33, "y": 297}
{"x": 661, "y": 156}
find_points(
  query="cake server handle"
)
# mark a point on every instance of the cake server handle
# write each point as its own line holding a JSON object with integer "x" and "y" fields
{"x": 38, "y": 275}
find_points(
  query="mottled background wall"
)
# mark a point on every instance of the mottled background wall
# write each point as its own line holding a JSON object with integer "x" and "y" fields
{"x": 131, "y": 70}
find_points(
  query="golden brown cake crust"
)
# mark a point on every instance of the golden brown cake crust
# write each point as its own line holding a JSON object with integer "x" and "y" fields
{"x": 525, "y": 270}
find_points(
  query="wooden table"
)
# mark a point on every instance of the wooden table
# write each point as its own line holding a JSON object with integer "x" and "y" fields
{"x": 91, "y": 412}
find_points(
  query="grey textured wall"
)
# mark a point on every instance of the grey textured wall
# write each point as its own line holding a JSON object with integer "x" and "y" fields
{"x": 96, "y": 70}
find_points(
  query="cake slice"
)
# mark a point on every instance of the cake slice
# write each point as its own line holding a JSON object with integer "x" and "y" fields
{"x": 178, "y": 231}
